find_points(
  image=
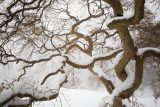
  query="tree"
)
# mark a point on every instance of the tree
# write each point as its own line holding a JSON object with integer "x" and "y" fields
{"x": 41, "y": 38}
{"x": 149, "y": 37}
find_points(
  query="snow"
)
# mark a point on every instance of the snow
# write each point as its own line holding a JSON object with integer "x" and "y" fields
{"x": 141, "y": 51}
{"x": 18, "y": 101}
{"x": 90, "y": 98}
{"x": 106, "y": 54}
{"x": 126, "y": 16}
{"x": 99, "y": 71}
{"x": 123, "y": 86}
{"x": 146, "y": 98}
{"x": 154, "y": 8}
{"x": 74, "y": 98}
{"x": 118, "y": 58}
{"x": 30, "y": 83}
{"x": 126, "y": 102}
{"x": 84, "y": 59}
{"x": 149, "y": 102}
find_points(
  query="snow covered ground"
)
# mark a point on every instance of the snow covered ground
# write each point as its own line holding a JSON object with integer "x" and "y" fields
{"x": 75, "y": 98}
{"x": 90, "y": 98}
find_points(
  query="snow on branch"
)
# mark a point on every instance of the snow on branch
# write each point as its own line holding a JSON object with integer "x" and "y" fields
{"x": 98, "y": 71}
{"x": 122, "y": 19}
{"x": 123, "y": 86}
{"x": 148, "y": 51}
{"x": 84, "y": 63}
{"x": 41, "y": 81}
{"x": 118, "y": 18}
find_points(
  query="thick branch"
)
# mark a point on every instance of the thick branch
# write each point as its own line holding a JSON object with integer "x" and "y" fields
{"x": 94, "y": 59}
{"x": 132, "y": 20}
{"x": 116, "y": 5}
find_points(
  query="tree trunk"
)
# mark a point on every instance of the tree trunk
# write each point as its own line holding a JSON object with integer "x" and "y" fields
{"x": 117, "y": 102}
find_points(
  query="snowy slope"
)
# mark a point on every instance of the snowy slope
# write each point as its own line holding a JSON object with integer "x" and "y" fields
{"x": 74, "y": 98}
{"x": 89, "y": 98}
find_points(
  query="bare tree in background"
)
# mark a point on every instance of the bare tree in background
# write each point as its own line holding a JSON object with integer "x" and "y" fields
{"x": 149, "y": 37}
{"x": 41, "y": 32}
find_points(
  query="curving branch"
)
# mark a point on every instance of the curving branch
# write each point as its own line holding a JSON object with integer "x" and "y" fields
{"x": 120, "y": 23}
{"x": 139, "y": 59}
{"x": 93, "y": 59}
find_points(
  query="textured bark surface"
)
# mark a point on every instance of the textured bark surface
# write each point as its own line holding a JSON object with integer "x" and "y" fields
{"x": 137, "y": 80}
{"x": 108, "y": 84}
{"x": 130, "y": 50}
{"x": 117, "y": 102}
